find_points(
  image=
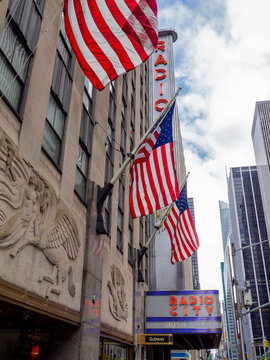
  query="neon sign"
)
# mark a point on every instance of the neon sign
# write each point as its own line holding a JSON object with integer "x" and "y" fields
{"x": 196, "y": 303}
{"x": 160, "y": 74}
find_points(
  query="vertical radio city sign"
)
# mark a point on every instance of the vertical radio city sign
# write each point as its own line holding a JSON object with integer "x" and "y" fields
{"x": 162, "y": 81}
{"x": 160, "y": 75}
{"x": 161, "y": 91}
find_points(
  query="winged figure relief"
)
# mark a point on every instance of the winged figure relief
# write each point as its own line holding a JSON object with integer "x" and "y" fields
{"x": 118, "y": 300}
{"x": 60, "y": 243}
{"x": 31, "y": 215}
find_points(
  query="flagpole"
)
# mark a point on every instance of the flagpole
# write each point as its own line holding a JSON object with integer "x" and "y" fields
{"x": 131, "y": 155}
{"x": 143, "y": 250}
{"x": 104, "y": 191}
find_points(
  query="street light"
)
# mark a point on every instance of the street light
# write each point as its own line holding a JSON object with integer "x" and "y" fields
{"x": 247, "y": 301}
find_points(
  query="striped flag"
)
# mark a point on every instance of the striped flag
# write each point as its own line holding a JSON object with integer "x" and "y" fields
{"x": 181, "y": 229}
{"x": 154, "y": 183}
{"x": 111, "y": 37}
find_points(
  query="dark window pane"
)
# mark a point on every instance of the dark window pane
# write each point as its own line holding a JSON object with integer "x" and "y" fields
{"x": 51, "y": 143}
{"x": 56, "y": 117}
{"x": 10, "y": 87}
{"x": 82, "y": 161}
{"x": 80, "y": 184}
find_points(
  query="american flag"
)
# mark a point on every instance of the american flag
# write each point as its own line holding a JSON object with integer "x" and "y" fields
{"x": 181, "y": 229}
{"x": 111, "y": 37}
{"x": 154, "y": 183}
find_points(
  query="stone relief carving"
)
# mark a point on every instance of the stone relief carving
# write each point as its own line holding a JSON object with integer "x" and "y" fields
{"x": 118, "y": 299}
{"x": 31, "y": 215}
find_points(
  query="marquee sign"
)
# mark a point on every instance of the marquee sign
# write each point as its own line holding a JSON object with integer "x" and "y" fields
{"x": 187, "y": 311}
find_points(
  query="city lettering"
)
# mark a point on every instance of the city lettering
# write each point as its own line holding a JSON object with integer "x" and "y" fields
{"x": 196, "y": 303}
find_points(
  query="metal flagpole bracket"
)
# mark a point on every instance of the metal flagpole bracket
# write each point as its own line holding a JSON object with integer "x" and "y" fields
{"x": 103, "y": 192}
{"x": 140, "y": 254}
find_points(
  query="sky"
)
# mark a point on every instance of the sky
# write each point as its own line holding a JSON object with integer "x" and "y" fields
{"x": 222, "y": 63}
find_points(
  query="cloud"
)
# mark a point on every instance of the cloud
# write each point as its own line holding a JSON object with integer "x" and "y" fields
{"x": 222, "y": 59}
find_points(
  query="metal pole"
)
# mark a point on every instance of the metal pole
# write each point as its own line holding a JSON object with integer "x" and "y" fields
{"x": 143, "y": 250}
{"x": 125, "y": 164}
{"x": 232, "y": 293}
{"x": 258, "y": 307}
{"x": 165, "y": 215}
{"x": 104, "y": 191}
{"x": 248, "y": 246}
{"x": 239, "y": 310}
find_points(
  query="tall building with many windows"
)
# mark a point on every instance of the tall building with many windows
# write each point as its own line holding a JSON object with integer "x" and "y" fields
{"x": 226, "y": 231}
{"x": 251, "y": 255}
{"x": 225, "y": 221}
{"x": 194, "y": 256}
{"x": 261, "y": 144}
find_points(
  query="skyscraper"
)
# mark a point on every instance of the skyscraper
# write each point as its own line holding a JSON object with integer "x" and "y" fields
{"x": 225, "y": 220}
{"x": 251, "y": 255}
{"x": 261, "y": 144}
{"x": 194, "y": 256}
{"x": 226, "y": 230}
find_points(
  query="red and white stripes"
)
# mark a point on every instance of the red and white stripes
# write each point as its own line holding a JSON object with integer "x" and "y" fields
{"x": 184, "y": 239}
{"x": 111, "y": 37}
{"x": 154, "y": 182}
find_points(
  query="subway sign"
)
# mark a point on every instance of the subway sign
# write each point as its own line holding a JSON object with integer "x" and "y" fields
{"x": 186, "y": 311}
{"x": 155, "y": 339}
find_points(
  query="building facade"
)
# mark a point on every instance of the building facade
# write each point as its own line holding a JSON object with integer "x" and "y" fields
{"x": 261, "y": 144}
{"x": 68, "y": 291}
{"x": 251, "y": 255}
{"x": 226, "y": 231}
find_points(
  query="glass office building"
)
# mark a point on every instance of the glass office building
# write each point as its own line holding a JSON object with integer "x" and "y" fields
{"x": 194, "y": 256}
{"x": 252, "y": 254}
{"x": 261, "y": 144}
{"x": 226, "y": 231}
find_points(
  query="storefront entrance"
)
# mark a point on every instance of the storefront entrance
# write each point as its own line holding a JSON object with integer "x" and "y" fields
{"x": 26, "y": 334}
{"x": 111, "y": 350}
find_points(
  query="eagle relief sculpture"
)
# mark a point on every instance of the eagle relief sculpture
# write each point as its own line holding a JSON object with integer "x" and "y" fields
{"x": 118, "y": 299}
{"x": 31, "y": 215}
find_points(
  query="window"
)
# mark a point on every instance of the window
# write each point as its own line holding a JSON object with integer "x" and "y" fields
{"x": 146, "y": 227}
{"x": 54, "y": 130}
{"x": 85, "y": 142}
{"x": 130, "y": 240}
{"x": 141, "y": 233}
{"x": 119, "y": 239}
{"x": 132, "y": 119}
{"x": 18, "y": 39}
{"x": 121, "y": 188}
{"x": 146, "y": 113}
{"x": 121, "y": 201}
{"x": 141, "y": 89}
{"x": 146, "y": 268}
{"x": 147, "y": 235}
{"x": 141, "y": 125}
{"x": 13, "y": 66}
{"x": 123, "y": 132}
{"x": 109, "y": 166}
{"x": 59, "y": 99}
